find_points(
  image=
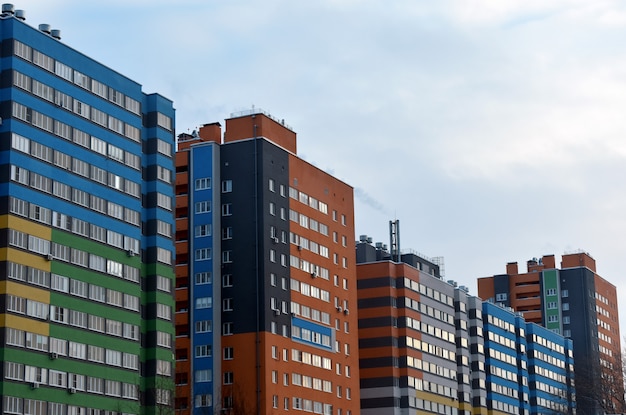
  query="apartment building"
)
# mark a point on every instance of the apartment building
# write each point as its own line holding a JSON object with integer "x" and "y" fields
{"x": 265, "y": 275}
{"x": 574, "y": 301}
{"x": 427, "y": 346}
{"x": 87, "y": 224}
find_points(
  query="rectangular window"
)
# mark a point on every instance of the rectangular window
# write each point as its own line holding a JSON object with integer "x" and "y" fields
{"x": 81, "y": 80}
{"x": 23, "y": 51}
{"x": 117, "y": 182}
{"x": 227, "y": 186}
{"x": 203, "y": 278}
{"x": 203, "y": 207}
{"x": 203, "y": 230}
{"x": 99, "y": 117}
{"x": 132, "y": 105}
{"x": 227, "y": 209}
{"x": 203, "y": 254}
{"x": 80, "y": 167}
{"x": 116, "y": 97}
{"x": 204, "y": 302}
{"x": 164, "y": 174}
{"x": 22, "y": 81}
{"x": 164, "y": 121}
{"x": 203, "y": 183}
{"x": 204, "y": 326}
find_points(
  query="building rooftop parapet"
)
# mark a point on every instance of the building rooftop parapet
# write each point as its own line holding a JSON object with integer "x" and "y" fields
{"x": 254, "y": 111}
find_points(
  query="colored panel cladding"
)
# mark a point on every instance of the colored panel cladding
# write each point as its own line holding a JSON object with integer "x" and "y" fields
{"x": 551, "y": 299}
{"x": 312, "y": 333}
{"x": 87, "y": 250}
{"x": 203, "y": 256}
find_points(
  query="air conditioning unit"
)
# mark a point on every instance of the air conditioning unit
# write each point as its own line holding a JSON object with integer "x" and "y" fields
{"x": 72, "y": 390}
{"x": 314, "y": 274}
{"x": 293, "y": 313}
{"x": 130, "y": 252}
{"x": 277, "y": 312}
{"x": 54, "y": 355}
{"x": 346, "y": 311}
{"x": 275, "y": 239}
{"x": 339, "y": 309}
{"x": 49, "y": 257}
{"x": 34, "y": 385}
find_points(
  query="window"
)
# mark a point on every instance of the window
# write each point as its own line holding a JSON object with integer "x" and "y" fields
{"x": 204, "y": 326}
{"x": 115, "y": 328}
{"x": 227, "y": 280}
{"x": 81, "y": 80}
{"x": 227, "y": 186}
{"x": 204, "y": 350}
{"x": 164, "y": 174}
{"x": 227, "y": 209}
{"x": 164, "y": 201}
{"x": 203, "y": 278}
{"x": 227, "y": 304}
{"x": 164, "y": 121}
{"x": 228, "y": 378}
{"x": 203, "y": 207}
{"x": 204, "y": 302}
{"x": 203, "y": 183}
{"x": 227, "y": 257}
{"x": 203, "y": 230}
{"x": 227, "y": 328}
{"x": 96, "y": 323}
{"x": 203, "y": 400}
{"x": 229, "y": 353}
{"x": 203, "y": 254}
{"x": 227, "y": 232}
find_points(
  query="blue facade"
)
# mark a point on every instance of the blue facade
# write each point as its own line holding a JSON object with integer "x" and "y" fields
{"x": 529, "y": 368}
{"x": 204, "y": 233}
{"x": 87, "y": 168}
{"x": 505, "y": 360}
{"x": 550, "y": 358}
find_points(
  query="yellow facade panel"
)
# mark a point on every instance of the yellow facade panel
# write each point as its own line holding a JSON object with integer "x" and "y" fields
{"x": 26, "y": 324}
{"x": 26, "y": 291}
{"x": 26, "y": 226}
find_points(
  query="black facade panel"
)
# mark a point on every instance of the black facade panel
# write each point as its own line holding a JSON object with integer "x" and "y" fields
{"x": 379, "y": 382}
{"x": 501, "y": 286}
{"x": 366, "y": 323}
{"x": 378, "y": 342}
{"x": 380, "y": 402}
{"x": 386, "y": 361}
{"x": 376, "y": 282}
{"x": 376, "y": 302}
{"x": 250, "y": 164}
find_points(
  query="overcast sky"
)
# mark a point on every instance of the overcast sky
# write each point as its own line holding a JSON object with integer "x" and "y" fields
{"x": 493, "y": 130}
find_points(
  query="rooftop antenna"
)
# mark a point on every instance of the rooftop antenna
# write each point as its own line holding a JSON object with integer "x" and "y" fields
{"x": 394, "y": 239}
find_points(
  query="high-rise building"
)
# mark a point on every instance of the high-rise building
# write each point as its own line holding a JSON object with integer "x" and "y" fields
{"x": 265, "y": 275}
{"x": 579, "y": 304}
{"x": 86, "y": 249}
{"x": 407, "y": 334}
{"x": 426, "y": 345}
